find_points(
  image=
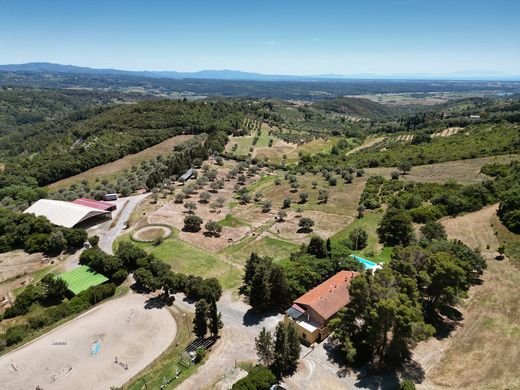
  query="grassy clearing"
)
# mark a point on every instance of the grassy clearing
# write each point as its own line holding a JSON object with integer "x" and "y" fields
{"x": 165, "y": 366}
{"x": 187, "y": 259}
{"x": 245, "y": 143}
{"x": 231, "y": 221}
{"x": 462, "y": 171}
{"x": 374, "y": 251}
{"x": 266, "y": 246}
{"x": 113, "y": 169}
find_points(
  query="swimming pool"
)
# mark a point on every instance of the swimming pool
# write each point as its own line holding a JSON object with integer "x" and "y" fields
{"x": 367, "y": 264}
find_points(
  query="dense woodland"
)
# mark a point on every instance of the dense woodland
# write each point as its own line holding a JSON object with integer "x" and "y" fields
{"x": 103, "y": 134}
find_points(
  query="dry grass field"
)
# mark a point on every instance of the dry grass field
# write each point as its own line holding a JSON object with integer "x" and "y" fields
{"x": 127, "y": 162}
{"x": 484, "y": 351}
{"x": 462, "y": 171}
{"x": 16, "y": 263}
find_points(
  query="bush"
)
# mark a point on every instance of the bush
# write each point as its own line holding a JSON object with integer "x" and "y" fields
{"x": 15, "y": 334}
{"x": 192, "y": 223}
{"x": 260, "y": 378}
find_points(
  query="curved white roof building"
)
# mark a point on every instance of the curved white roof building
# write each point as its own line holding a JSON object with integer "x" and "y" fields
{"x": 62, "y": 213}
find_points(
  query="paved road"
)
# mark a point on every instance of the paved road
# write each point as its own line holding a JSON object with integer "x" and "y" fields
{"x": 107, "y": 238}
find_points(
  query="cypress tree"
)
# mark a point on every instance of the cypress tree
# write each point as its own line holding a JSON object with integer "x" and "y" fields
{"x": 215, "y": 319}
{"x": 260, "y": 294}
{"x": 280, "y": 349}
{"x": 200, "y": 323}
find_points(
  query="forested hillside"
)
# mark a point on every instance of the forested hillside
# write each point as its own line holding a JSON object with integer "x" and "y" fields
{"x": 67, "y": 146}
{"x": 359, "y": 107}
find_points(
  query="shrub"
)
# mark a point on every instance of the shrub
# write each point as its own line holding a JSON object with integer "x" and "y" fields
{"x": 192, "y": 223}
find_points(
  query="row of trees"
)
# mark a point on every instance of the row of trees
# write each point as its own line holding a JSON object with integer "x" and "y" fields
{"x": 50, "y": 307}
{"x": 149, "y": 272}
{"x": 281, "y": 352}
{"x": 207, "y": 318}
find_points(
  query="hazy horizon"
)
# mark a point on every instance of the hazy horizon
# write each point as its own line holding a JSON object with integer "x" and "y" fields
{"x": 333, "y": 37}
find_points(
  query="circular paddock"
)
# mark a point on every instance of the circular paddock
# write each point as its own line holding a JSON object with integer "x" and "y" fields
{"x": 151, "y": 232}
{"x": 82, "y": 353}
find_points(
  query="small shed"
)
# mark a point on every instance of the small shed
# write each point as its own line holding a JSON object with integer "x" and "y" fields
{"x": 189, "y": 173}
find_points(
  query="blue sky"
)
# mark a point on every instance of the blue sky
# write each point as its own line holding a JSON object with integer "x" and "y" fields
{"x": 275, "y": 37}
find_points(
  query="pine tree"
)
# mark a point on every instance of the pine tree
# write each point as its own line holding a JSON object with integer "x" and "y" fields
{"x": 260, "y": 294}
{"x": 280, "y": 349}
{"x": 280, "y": 292}
{"x": 293, "y": 347}
{"x": 264, "y": 347}
{"x": 317, "y": 247}
{"x": 200, "y": 323}
{"x": 251, "y": 264}
{"x": 329, "y": 248}
{"x": 215, "y": 319}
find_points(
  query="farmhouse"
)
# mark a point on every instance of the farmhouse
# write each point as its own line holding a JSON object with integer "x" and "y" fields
{"x": 67, "y": 214}
{"x": 311, "y": 312}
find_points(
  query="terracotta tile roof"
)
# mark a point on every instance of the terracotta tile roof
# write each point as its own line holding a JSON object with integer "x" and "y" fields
{"x": 330, "y": 296}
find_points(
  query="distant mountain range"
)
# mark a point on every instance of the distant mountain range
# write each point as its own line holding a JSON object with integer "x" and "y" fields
{"x": 226, "y": 74}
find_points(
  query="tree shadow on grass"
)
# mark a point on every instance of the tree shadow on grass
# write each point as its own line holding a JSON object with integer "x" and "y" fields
{"x": 253, "y": 317}
{"x": 444, "y": 322}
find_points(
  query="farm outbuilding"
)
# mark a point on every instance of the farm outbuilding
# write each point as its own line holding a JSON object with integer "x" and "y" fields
{"x": 97, "y": 204}
{"x": 66, "y": 214}
{"x": 189, "y": 173}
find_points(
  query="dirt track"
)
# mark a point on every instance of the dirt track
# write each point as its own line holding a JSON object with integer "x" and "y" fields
{"x": 136, "y": 339}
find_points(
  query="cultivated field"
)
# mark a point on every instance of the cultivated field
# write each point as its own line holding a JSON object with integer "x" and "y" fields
{"x": 370, "y": 141}
{"x": 274, "y": 154}
{"x": 127, "y": 162}
{"x": 404, "y": 138}
{"x": 81, "y": 354}
{"x": 483, "y": 352}
{"x": 447, "y": 132}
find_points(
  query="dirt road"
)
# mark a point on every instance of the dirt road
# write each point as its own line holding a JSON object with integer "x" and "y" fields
{"x": 81, "y": 354}
{"x": 235, "y": 345}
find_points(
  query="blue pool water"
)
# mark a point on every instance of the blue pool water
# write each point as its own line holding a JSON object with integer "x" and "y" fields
{"x": 366, "y": 263}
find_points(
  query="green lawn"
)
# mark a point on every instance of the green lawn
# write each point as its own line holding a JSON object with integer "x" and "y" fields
{"x": 266, "y": 246}
{"x": 262, "y": 183}
{"x": 231, "y": 221}
{"x": 187, "y": 259}
{"x": 373, "y": 251}
{"x": 81, "y": 278}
